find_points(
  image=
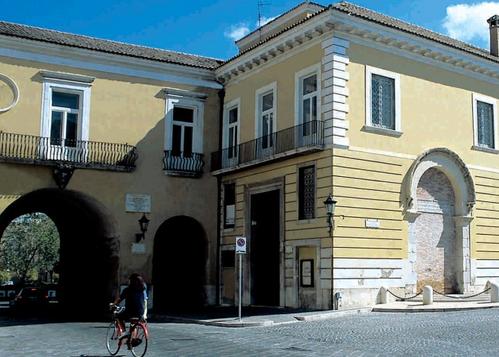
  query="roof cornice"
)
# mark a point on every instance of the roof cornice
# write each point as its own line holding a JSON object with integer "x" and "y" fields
{"x": 367, "y": 33}
{"x": 32, "y": 50}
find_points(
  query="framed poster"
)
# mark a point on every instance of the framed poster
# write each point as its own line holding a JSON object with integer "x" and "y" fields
{"x": 307, "y": 273}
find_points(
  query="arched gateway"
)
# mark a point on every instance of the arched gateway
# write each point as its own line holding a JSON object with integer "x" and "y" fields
{"x": 179, "y": 265}
{"x": 440, "y": 196}
{"x": 89, "y": 246}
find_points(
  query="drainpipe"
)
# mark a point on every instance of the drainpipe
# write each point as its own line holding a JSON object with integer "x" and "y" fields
{"x": 221, "y": 98}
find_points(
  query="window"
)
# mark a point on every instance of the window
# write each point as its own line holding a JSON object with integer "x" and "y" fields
{"x": 184, "y": 123}
{"x": 267, "y": 119}
{"x": 485, "y": 121}
{"x": 65, "y": 111}
{"x": 307, "y": 84}
{"x": 233, "y": 132}
{"x": 309, "y": 104}
{"x": 65, "y": 118}
{"x": 266, "y": 115}
{"x": 382, "y": 100}
{"x": 306, "y": 193}
{"x": 183, "y": 129}
{"x": 229, "y": 205}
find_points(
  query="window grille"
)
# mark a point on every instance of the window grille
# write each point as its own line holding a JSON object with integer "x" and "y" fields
{"x": 307, "y": 192}
{"x": 383, "y": 102}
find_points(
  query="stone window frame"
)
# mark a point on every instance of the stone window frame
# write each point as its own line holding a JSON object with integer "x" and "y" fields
{"x": 489, "y": 100}
{"x": 189, "y": 100}
{"x": 299, "y": 77}
{"x": 231, "y": 105}
{"x": 83, "y": 89}
{"x": 259, "y": 94}
{"x": 398, "y": 109}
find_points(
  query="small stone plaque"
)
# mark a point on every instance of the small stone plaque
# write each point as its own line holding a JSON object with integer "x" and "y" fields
{"x": 372, "y": 223}
{"x": 138, "y": 248}
{"x": 138, "y": 203}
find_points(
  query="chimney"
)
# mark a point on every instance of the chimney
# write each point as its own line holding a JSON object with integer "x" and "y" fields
{"x": 494, "y": 35}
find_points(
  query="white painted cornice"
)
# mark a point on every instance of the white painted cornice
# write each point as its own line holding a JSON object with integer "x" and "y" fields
{"x": 365, "y": 33}
{"x": 290, "y": 40}
{"x": 24, "y": 49}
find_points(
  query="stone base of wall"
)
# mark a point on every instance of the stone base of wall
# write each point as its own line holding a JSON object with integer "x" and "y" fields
{"x": 364, "y": 297}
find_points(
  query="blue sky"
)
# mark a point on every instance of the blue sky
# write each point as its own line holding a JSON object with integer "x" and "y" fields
{"x": 204, "y": 27}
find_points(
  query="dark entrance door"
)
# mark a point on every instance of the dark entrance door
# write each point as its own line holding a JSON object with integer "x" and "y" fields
{"x": 264, "y": 245}
{"x": 179, "y": 265}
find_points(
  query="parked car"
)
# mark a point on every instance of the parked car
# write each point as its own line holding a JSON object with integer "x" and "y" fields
{"x": 33, "y": 297}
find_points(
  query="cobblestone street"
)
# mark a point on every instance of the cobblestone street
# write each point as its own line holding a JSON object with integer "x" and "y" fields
{"x": 469, "y": 333}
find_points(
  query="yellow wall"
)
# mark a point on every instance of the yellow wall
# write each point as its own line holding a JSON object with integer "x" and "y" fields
{"x": 436, "y": 107}
{"x": 437, "y": 111}
{"x": 123, "y": 110}
{"x": 284, "y": 74}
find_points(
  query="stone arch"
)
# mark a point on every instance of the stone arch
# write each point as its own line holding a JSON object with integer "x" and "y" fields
{"x": 179, "y": 265}
{"x": 453, "y": 167}
{"x": 455, "y": 170}
{"x": 89, "y": 244}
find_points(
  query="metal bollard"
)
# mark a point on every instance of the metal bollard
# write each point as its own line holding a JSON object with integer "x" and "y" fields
{"x": 427, "y": 295}
{"x": 383, "y": 295}
{"x": 494, "y": 292}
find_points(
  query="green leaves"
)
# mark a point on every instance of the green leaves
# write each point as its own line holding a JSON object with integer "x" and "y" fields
{"x": 30, "y": 244}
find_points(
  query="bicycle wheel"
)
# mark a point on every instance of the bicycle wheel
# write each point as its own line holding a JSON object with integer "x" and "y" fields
{"x": 138, "y": 341}
{"x": 112, "y": 339}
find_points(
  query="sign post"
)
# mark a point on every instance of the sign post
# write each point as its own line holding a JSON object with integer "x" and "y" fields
{"x": 240, "y": 250}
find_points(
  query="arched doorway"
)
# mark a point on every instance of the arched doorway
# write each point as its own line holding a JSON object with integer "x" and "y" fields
{"x": 179, "y": 265}
{"x": 439, "y": 197}
{"x": 89, "y": 246}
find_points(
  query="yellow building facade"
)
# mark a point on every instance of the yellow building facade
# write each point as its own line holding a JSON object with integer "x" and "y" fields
{"x": 96, "y": 134}
{"x": 398, "y": 124}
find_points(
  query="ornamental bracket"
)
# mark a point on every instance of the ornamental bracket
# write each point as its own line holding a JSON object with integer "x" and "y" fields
{"x": 62, "y": 174}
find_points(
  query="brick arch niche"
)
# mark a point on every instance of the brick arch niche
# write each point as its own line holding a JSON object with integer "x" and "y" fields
{"x": 439, "y": 197}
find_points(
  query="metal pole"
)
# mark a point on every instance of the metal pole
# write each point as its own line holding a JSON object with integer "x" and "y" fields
{"x": 240, "y": 283}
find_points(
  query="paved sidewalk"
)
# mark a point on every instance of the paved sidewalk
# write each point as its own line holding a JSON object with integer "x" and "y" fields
{"x": 252, "y": 317}
{"x": 268, "y": 318}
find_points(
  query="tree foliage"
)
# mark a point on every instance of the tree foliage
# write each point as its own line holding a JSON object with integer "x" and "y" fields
{"x": 29, "y": 244}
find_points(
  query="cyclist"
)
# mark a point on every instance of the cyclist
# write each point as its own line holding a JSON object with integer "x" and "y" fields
{"x": 135, "y": 296}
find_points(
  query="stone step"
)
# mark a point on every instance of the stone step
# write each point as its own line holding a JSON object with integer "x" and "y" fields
{"x": 456, "y": 298}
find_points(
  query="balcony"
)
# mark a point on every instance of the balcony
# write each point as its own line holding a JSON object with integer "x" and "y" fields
{"x": 183, "y": 164}
{"x": 36, "y": 150}
{"x": 293, "y": 141}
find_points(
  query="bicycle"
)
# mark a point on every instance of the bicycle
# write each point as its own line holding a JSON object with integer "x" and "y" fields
{"x": 135, "y": 339}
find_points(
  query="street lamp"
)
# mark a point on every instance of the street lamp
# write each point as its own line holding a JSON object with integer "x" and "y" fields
{"x": 330, "y": 204}
{"x": 143, "y": 223}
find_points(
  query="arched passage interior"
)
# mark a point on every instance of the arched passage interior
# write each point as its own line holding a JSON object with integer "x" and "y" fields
{"x": 179, "y": 265}
{"x": 89, "y": 246}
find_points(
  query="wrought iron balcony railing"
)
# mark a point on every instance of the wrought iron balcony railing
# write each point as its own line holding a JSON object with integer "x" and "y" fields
{"x": 29, "y": 149}
{"x": 184, "y": 164}
{"x": 308, "y": 135}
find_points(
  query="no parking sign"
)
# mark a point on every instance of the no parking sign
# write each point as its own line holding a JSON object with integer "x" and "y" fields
{"x": 240, "y": 245}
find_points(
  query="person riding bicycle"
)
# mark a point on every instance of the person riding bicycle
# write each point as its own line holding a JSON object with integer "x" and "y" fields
{"x": 135, "y": 296}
